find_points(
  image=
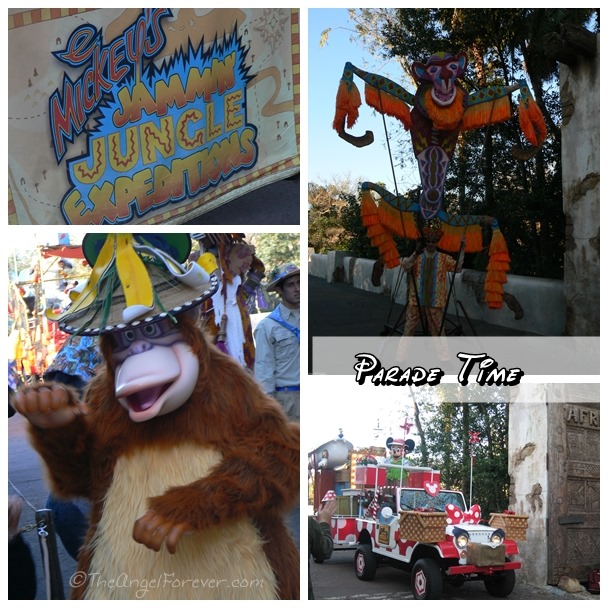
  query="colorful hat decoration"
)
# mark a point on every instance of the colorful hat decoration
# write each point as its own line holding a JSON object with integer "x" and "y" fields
{"x": 432, "y": 234}
{"x": 136, "y": 279}
{"x": 280, "y": 273}
{"x": 329, "y": 495}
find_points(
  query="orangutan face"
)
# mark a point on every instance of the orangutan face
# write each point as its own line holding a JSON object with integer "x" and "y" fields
{"x": 441, "y": 71}
{"x": 156, "y": 371}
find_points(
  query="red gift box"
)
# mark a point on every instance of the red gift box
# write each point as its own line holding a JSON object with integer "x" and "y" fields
{"x": 366, "y": 475}
{"x": 418, "y": 478}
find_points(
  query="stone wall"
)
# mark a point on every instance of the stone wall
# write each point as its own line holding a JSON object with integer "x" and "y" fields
{"x": 528, "y": 472}
{"x": 580, "y": 94}
{"x": 536, "y": 306}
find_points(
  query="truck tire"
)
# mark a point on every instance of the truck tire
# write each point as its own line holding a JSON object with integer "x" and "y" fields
{"x": 501, "y": 584}
{"x": 427, "y": 582}
{"x": 365, "y": 563}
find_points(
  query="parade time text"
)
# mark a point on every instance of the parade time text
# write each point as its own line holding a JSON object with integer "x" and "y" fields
{"x": 369, "y": 367}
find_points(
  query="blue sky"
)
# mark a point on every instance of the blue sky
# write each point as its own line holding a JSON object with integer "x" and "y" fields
{"x": 329, "y": 156}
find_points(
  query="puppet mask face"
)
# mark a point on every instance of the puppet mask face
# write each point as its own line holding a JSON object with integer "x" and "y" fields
{"x": 441, "y": 71}
{"x": 156, "y": 371}
{"x": 396, "y": 451}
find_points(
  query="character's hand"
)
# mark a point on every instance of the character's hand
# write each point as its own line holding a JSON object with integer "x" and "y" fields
{"x": 152, "y": 529}
{"x": 48, "y": 406}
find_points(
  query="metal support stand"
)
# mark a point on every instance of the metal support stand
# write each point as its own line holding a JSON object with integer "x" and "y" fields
{"x": 50, "y": 558}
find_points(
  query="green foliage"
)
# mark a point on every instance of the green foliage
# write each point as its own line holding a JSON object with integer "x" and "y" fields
{"x": 276, "y": 248}
{"x": 325, "y": 204}
{"x": 445, "y": 431}
{"x": 355, "y": 235}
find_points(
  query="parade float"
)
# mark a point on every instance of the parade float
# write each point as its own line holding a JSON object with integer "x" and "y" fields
{"x": 400, "y": 515}
{"x": 53, "y": 272}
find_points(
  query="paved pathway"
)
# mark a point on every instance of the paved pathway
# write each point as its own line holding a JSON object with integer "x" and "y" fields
{"x": 339, "y": 309}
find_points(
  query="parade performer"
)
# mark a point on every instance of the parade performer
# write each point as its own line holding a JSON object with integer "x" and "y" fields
{"x": 277, "y": 339}
{"x": 227, "y": 314}
{"x": 440, "y": 110}
{"x": 189, "y": 467}
{"x": 427, "y": 294}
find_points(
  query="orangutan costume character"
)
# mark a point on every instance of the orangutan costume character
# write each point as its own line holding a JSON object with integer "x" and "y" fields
{"x": 188, "y": 465}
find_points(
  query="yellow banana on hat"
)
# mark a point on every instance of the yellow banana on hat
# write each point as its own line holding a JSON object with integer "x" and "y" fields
{"x": 136, "y": 285}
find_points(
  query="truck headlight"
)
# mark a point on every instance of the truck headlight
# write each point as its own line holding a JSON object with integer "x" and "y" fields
{"x": 461, "y": 537}
{"x": 497, "y": 537}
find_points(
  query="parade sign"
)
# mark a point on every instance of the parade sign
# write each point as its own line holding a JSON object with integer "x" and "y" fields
{"x": 147, "y": 116}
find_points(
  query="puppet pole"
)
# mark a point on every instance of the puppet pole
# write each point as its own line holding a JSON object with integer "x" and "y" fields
{"x": 471, "y": 482}
{"x": 473, "y": 439}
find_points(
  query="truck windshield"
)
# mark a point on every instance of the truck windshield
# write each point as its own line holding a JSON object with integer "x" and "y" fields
{"x": 410, "y": 500}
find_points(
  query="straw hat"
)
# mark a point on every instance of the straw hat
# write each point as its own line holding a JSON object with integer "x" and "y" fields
{"x": 136, "y": 279}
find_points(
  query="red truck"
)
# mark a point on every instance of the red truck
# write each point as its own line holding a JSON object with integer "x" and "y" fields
{"x": 420, "y": 528}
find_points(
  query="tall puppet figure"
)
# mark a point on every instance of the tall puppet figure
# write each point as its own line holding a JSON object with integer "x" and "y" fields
{"x": 440, "y": 110}
{"x": 188, "y": 465}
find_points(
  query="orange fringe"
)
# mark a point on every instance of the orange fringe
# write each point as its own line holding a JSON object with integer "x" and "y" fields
{"x": 450, "y": 239}
{"x": 496, "y": 272}
{"x": 532, "y": 123}
{"x": 369, "y": 210}
{"x": 388, "y": 104}
{"x": 378, "y": 232}
{"x": 379, "y": 240}
{"x": 486, "y": 113}
{"x": 348, "y": 101}
{"x": 445, "y": 118}
{"x": 504, "y": 266}
{"x": 498, "y": 244}
{"x": 400, "y": 223}
{"x": 496, "y": 276}
{"x": 374, "y": 230}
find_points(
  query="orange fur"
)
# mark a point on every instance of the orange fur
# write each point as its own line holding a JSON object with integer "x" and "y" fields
{"x": 445, "y": 118}
{"x": 257, "y": 478}
{"x": 388, "y": 104}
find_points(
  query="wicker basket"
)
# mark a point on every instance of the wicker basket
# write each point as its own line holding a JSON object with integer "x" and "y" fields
{"x": 515, "y": 526}
{"x": 422, "y": 527}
